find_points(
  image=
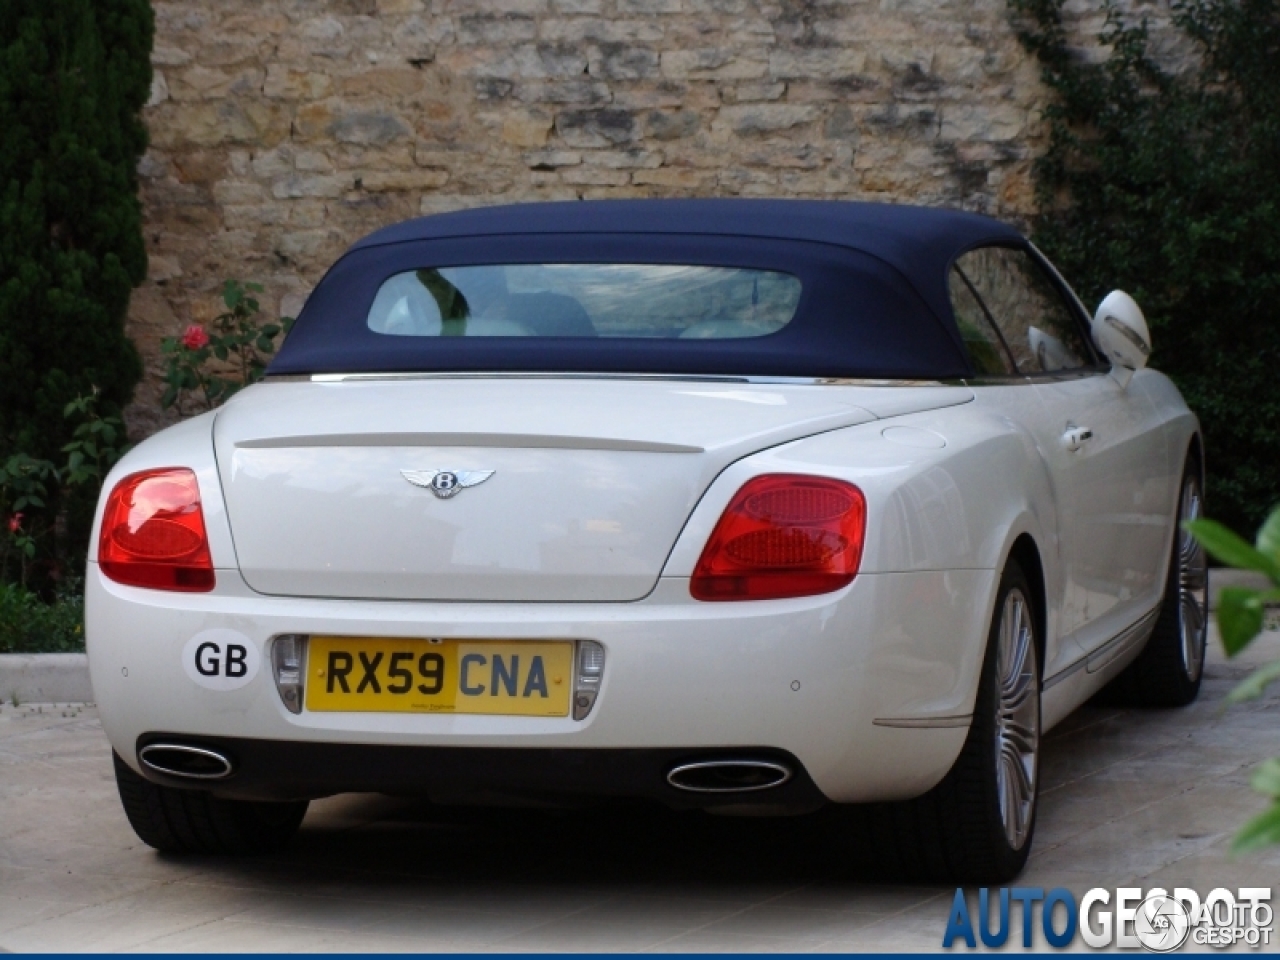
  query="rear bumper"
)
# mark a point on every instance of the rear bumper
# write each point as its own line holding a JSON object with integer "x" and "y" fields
{"x": 814, "y": 679}
{"x": 289, "y": 770}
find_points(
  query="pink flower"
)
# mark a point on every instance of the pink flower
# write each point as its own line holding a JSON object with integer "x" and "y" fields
{"x": 15, "y": 523}
{"x": 195, "y": 337}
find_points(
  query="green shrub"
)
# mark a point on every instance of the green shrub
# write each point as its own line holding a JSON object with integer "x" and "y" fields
{"x": 74, "y": 75}
{"x": 1241, "y": 617}
{"x": 46, "y": 510}
{"x": 29, "y": 625}
{"x": 1168, "y": 185}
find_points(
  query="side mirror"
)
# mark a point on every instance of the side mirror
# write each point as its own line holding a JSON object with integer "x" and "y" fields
{"x": 1120, "y": 331}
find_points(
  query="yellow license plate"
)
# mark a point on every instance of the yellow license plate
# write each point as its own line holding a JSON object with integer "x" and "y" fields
{"x": 509, "y": 678}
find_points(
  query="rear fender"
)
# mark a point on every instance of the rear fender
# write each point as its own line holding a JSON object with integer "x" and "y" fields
{"x": 959, "y": 500}
{"x": 945, "y": 490}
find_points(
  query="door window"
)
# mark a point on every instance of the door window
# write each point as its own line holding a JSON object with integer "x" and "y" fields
{"x": 988, "y": 353}
{"x": 1034, "y": 321}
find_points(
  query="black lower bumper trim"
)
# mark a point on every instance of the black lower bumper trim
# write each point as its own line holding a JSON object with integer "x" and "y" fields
{"x": 295, "y": 770}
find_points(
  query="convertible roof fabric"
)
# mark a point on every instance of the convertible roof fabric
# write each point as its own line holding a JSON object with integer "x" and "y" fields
{"x": 874, "y": 301}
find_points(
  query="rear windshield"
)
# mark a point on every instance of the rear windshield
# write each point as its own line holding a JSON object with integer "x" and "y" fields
{"x": 621, "y": 300}
{"x": 619, "y": 303}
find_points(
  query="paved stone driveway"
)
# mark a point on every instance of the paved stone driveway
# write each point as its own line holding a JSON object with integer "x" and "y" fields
{"x": 1136, "y": 799}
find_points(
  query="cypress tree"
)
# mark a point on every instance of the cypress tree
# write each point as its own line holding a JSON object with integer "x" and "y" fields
{"x": 74, "y": 76}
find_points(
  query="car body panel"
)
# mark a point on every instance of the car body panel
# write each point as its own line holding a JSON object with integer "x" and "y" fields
{"x": 1118, "y": 491}
{"x": 605, "y": 490}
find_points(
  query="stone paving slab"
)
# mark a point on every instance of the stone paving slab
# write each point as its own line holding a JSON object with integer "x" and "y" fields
{"x": 1131, "y": 798}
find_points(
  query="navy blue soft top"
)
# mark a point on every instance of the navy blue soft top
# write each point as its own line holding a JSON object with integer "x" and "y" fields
{"x": 874, "y": 276}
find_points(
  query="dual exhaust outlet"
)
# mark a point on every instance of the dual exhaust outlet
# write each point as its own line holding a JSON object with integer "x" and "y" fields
{"x": 190, "y": 762}
{"x": 185, "y": 761}
{"x": 728, "y": 776}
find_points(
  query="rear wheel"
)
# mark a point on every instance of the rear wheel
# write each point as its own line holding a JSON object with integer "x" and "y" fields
{"x": 1168, "y": 671}
{"x": 976, "y": 825}
{"x": 194, "y": 821}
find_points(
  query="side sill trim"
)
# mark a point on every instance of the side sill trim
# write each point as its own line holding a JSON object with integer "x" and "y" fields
{"x": 1099, "y": 658}
{"x": 919, "y": 723}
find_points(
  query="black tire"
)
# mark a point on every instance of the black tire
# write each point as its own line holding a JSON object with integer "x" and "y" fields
{"x": 1170, "y": 668}
{"x": 956, "y": 833}
{"x": 195, "y": 821}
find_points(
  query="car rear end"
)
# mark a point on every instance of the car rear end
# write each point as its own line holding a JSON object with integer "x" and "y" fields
{"x": 324, "y": 650}
{"x": 497, "y": 530}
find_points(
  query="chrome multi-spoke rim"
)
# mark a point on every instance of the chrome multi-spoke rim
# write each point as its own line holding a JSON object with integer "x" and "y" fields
{"x": 1018, "y": 719}
{"x": 1193, "y": 584}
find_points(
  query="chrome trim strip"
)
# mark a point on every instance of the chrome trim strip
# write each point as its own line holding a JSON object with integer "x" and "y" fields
{"x": 1135, "y": 636}
{"x": 1065, "y": 673}
{"x": 1115, "y": 645}
{"x": 920, "y": 723}
{"x": 501, "y": 440}
{"x": 1026, "y": 379}
{"x": 552, "y": 375}
{"x": 1128, "y": 334}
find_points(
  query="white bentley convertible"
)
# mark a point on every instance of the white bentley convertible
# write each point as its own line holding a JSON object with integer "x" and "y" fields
{"x": 752, "y": 506}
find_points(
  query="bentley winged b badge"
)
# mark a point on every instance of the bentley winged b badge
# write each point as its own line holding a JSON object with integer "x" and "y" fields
{"x": 446, "y": 483}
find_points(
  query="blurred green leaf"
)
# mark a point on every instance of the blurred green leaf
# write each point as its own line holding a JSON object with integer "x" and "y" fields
{"x": 1263, "y": 830}
{"x": 1231, "y": 549}
{"x": 1253, "y": 685}
{"x": 1240, "y": 617}
{"x": 1266, "y": 779}
{"x": 1269, "y": 536}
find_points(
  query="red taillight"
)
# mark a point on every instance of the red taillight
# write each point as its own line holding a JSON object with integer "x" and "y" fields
{"x": 783, "y": 535}
{"x": 153, "y": 533}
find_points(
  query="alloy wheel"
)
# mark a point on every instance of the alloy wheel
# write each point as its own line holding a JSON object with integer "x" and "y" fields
{"x": 1017, "y": 720}
{"x": 1193, "y": 583}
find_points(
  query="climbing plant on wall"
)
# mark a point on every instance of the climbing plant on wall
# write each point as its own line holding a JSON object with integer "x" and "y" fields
{"x": 1168, "y": 185}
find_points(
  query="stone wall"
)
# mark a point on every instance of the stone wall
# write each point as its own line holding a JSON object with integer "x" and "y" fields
{"x": 283, "y": 130}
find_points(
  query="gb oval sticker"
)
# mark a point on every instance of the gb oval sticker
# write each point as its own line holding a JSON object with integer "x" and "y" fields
{"x": 221, "y": 659}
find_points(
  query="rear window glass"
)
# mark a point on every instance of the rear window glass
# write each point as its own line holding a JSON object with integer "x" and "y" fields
{"x": 622, "y": 300}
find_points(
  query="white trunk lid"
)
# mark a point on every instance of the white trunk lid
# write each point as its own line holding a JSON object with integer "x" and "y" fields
{"x": 592, "y": 480}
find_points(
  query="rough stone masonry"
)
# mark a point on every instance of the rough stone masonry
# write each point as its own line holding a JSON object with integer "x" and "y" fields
{"x": 283, "y": 130}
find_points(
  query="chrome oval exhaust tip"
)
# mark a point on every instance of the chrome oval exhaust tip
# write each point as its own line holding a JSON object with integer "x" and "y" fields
{"x": 728, "y": 776}
{"x": 182, "y": 760}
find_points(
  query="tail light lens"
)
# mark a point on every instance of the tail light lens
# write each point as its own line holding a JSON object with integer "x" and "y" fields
{"x": 153, "y": 533}
{"x": 783, "y": 535}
